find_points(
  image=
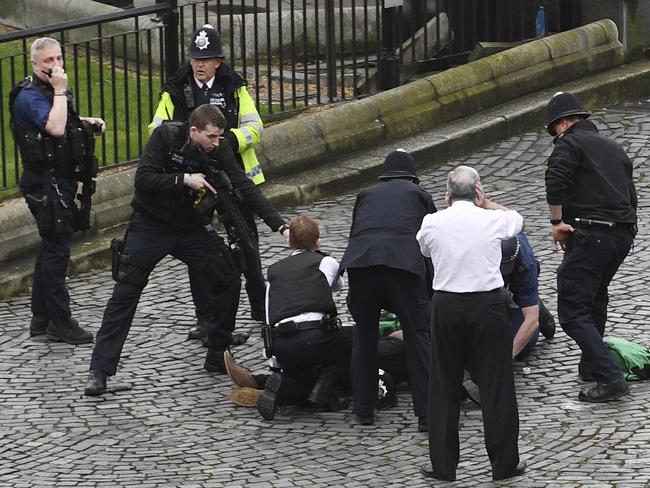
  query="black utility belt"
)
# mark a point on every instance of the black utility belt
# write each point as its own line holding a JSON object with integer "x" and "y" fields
{"x": 584, "y": 223}
{"x": 291, "y": 327}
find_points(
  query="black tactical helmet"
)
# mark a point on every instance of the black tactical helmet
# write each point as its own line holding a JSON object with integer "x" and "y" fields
{"x": 399, "y": 164}
{"x": 205, "y": 43}
{"x": 563, "y": 105}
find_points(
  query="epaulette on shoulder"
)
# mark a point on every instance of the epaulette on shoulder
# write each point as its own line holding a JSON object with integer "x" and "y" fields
{"x": 172, "y": 127}
{"x": 27, "y": 82}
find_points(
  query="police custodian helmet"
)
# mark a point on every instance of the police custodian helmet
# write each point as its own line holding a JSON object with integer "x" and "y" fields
{"x": 399, "y": 164}
{"x": 205, "y": 43}
{"x": 563, "y": 105}
{"x": 509, "y": 254}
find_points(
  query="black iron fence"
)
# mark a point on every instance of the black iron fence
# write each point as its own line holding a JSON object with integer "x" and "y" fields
{"x": 295, "y": 54}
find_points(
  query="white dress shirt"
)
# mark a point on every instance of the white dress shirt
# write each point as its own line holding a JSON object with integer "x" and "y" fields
{"x": 200, "y": 83}
{"x": 464, "y": 243}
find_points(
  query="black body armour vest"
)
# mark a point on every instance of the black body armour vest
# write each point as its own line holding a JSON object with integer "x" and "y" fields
{"x": 298, "y": 286}
{"x": 41, "y": 152}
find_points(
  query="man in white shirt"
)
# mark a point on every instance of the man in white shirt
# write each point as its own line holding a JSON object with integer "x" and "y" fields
{"x": 470, "y": 321}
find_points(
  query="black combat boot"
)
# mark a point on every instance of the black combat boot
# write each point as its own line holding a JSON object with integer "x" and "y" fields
{"x": 96, "y": 384}
{"x": 325, "y": 392}
{"x": 604, "y": 392}
{"x": 214, "y": 361}
{"x": 68, "y": 330}
{"x": 38, "y": 325}
{"x": 269, "y": 401}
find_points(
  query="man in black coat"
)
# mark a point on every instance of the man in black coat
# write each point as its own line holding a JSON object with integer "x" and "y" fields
{"x": 165, "y": 221}
{"x": 387, "y": 271}
{"x": 592, "y": 202}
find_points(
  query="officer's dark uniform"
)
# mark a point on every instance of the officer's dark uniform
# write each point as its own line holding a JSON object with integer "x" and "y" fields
{"x": 387, "y": 271}
{"x": 49, "y": 186}
{"x": 180, "y": 96}
{"x": 297, "y": 286}
{"x": 520, "y": 273}
{"x": 591, "y": 177}
{"x": 164, "y": 222}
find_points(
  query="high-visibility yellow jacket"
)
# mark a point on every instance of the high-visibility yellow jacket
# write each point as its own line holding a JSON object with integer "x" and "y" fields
{"x": 243, "y": 121}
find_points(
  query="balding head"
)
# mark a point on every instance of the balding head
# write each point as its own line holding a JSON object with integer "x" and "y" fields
{"x": 461, "y": 183}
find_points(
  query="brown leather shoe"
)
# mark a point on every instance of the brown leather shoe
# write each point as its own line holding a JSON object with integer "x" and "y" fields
{"x": 245, "y": 397}
{"x": 239, "y": 376}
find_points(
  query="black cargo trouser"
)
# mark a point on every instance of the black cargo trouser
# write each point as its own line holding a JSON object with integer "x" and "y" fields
{"x": 590, "y": 261}
{"x": 147, "y": 242}
{"x": 50, "y": 296}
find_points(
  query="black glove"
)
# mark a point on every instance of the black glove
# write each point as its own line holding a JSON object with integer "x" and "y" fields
{"x": 232, "y": 140}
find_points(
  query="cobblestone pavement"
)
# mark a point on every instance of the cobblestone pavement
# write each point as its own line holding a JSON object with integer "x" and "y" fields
{"x": 176, "y": 427}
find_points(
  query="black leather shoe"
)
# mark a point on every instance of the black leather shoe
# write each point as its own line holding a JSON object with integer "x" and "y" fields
{"x": 239, "y": 338}
{"x": 96, "y": 384}
{"x": 546, "y": 321}
{"x": 214, "y": 361}
{"x": 38, "y": 325}
{"x": 364, "y": 419}
{"x": 603, "y": 392}
{"x": 325, "y": 392}
{"x": 428, "y": 471}
{"x": 68, "y": 330}
{"x": 423, "y": 424}
{"x": 197, "y": 331}
{"x": 519, "y": 470}
{"x": 268, "y": 402}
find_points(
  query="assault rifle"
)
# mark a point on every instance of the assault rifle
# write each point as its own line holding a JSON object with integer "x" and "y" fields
{"x": 86, "y": 172}
{"x": 225, "y": 201}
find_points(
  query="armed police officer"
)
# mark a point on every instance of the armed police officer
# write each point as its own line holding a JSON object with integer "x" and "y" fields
{"x": 207, "y": 79}
{"x": 54, "y": 144}
{"x": 170, "y": 179}
{"x": 592, "y": 201}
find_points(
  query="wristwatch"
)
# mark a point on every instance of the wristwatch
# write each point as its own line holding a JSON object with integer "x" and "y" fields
{"x": 556, "y": 221}
{"x": 283, "y": 227}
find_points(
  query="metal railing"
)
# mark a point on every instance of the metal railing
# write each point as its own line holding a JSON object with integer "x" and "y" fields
{"x": 295, "y": 54}
{"x": 112, "y": 75}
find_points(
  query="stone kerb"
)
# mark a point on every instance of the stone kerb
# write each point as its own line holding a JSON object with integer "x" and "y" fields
{"x": 445, "y": 96}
